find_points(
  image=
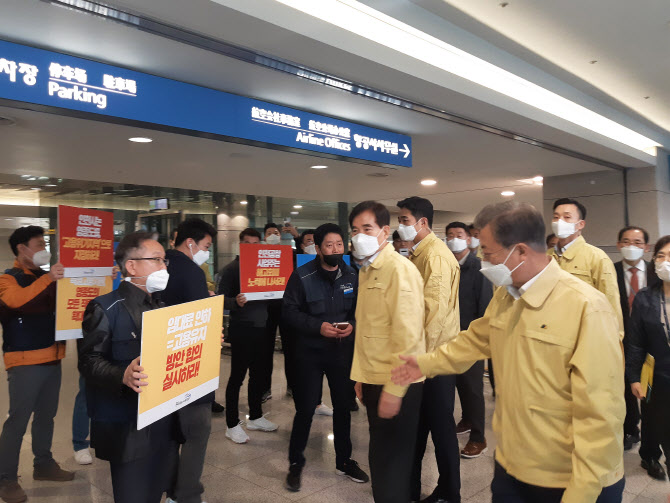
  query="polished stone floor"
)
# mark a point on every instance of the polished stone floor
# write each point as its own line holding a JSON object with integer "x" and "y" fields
{"x": 255, "y": 472}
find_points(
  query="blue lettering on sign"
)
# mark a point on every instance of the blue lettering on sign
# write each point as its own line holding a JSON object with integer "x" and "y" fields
{"x": 56, "y": 80}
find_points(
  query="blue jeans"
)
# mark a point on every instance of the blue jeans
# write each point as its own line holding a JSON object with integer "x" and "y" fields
{"x": 80, "y": 420}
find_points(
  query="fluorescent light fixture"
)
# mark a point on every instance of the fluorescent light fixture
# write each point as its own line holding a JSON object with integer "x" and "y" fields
{"x": 51, "y": 185}
{"x": 31, "y": 178}
{"x": 428, "y": 182}
{"x": 26, "y": 176}
{"x": 297, "y": 206}
{"x": 507, "y": 193}
{"x": 244, "y": 202}
{"x": 295, "y": 213}
{"x": 538, "y": 179}
{"x": 372, "y": 24}
{"x": 140, "y": 139}
{"x": 319, "y": 167}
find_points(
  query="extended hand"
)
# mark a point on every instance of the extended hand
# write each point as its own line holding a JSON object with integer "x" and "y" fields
{"x": 407, "y": 373}
{"x": 389, "y": 405}
{"x": 133, "y": 376}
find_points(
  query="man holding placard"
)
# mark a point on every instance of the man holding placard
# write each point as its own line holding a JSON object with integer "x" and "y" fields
{"x": 142, "y": 461}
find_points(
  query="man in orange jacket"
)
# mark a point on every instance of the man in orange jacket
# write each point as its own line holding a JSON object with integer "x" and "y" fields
{"x": 32, "y": 359}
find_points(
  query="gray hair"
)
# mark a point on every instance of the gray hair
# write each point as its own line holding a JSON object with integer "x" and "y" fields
{"x": 512, "y": 223}
{"x": 129, "y": 246}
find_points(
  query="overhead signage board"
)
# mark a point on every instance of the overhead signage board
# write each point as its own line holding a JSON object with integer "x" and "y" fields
{"x": 56, "y": 80}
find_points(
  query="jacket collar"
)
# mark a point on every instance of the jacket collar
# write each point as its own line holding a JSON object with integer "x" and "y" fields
{"x": 424, "y": 243}
{"x": 574, "y": 248}
{"x": 543, "y": 285}
{"x": 32, "y": 272}
{"x": 383, "y": 256}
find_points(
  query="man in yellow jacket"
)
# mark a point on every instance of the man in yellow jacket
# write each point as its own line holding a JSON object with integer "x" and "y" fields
{"x": 582, "y": 260}
{"x": 559, "y": 369}
{"x": 389, "y": 322}
{"x": 441, "y": 276}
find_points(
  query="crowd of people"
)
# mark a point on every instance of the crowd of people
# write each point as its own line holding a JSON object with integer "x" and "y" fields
{"x": 573, "y": 345}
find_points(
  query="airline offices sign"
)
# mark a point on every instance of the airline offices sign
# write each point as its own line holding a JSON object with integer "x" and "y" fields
{"x": 56, "y": 80}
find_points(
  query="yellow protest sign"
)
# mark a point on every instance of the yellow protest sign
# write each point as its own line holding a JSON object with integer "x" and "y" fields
{"x": 72, "y": 297}
{"x": 181, "y": 354}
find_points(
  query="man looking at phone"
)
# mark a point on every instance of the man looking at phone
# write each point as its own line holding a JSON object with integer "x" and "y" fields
{"x": 319, "y": 308}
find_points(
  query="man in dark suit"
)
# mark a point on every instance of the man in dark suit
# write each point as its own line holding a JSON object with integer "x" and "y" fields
{"x": 633, "y": 274}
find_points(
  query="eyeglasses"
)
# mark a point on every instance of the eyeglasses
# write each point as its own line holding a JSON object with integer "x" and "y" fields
{"x": 157, "y": 260}
{"x": 628, "y": 242}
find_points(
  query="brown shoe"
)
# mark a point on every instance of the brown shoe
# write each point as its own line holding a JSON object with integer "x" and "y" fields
{"x": 463, "y": 427}
{"x": 11, "y": 492}
{"x": 52, "y": 471}
{"x": 474, "y": 450}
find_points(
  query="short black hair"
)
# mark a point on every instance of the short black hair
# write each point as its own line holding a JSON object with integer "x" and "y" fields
{"x": 419, "y": 207}
{"x": 633, "y": 228}
{"x": 249, "y": 231}
{"x": 512, "y": 223}
{"x": 305, "y": 233}
{"x": 323, "y": 230}
{"x": 381, "y": 212}
{"x": 549, "y": 238}
{"x": 457, "y": 225}
{"x": 22, "y": 235}
{"x": 580, "y": 207}
{"x": 270, "y": 225}
{"x": 661, "y": 243}
{"x": 128, "y": 246}
{"x": 396, "y": 236}
{"x": 194, "y": 228}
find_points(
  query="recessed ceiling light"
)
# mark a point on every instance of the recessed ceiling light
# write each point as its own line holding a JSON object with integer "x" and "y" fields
{"x": 51, "y": 185}
{"x": 428, "y": 182}
{"x": 140, "y": 139}
{"x": 31, "y": 178}
{"x": 297, "y": 206}
{"x": 295, "y": 213}
{"x": 507, "y": 193}
{"x": 244, "y": 202}
{"x": 35, "y": 188}
{"x": 538, "y": 179}
{"x": 331, "y": 436}
{"x": 319, "y": 167}
{"x": 26, "y": 176}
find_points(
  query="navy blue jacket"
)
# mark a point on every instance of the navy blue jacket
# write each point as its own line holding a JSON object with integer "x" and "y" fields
{"x": 474, "y": 292}
{"x": 312, "y": 298}
{"x": 646, "y": 334}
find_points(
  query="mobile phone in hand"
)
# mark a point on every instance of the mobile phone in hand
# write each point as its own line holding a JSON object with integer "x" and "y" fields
{"x": 341, "y": 325}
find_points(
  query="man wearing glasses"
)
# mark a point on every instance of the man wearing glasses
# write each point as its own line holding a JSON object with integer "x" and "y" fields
{"x": 142, "y": 462}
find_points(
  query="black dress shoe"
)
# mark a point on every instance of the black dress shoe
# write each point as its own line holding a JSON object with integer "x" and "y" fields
{"x": 654, "y": 469}
{"x": 293, "y": 479}
{"x": 217, "y": 408}
{"x": 629, "y": 441}
{"x": 433, "y": 498}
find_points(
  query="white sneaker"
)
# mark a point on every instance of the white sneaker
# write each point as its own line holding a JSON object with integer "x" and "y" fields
{"x": 323, "y": 410}
{"x": 83, "y": 457}
{"x": 262, "y": 424}
{"x": 237, "y": 434}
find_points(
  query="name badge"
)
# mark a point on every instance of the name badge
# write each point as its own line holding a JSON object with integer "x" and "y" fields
{"x": 348, "y": 289}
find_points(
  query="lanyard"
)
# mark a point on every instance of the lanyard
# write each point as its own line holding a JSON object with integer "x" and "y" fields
{"x": 665, "y": 315}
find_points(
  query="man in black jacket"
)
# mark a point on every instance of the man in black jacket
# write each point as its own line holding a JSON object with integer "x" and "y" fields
{"x": 474, "y": 295}
{"x": 142, "y": 462}
{"x": 188, "y": 283}
{"x": 248, "y": 345}
{"x": 319, "y": 307}
{"x": 633, "y": 274}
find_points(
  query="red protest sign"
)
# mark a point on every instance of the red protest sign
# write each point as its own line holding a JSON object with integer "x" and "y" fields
{"x": 85, "y": 238}
{"x": 264, "y": 270}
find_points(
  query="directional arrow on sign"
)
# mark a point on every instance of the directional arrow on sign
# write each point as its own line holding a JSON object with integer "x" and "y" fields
{"x": 405, "y": 150}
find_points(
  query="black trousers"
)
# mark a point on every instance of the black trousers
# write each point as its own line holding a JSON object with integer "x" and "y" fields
{"x": 288, "y": 343}
{"x": 649, "y": 445}
{"x": 658, "y": 412}
{"x": 311, "y": 365}
{"x": 470, "y": 386}
{"x": 492, "y": 378}
{"x": 507, "y": 489}
{"x": 145, "y": 479}
{"x": 247, "y": 352}
{"x": 392, "y": 444}
{"x": 437, "y": 417}
{"x": 630, "y": 424}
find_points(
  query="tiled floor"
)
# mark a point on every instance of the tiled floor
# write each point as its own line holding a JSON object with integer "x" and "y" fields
{"x": 255, "y": 472}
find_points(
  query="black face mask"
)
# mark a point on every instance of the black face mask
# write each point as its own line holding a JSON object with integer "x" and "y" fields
{"x": 333, "y": 260}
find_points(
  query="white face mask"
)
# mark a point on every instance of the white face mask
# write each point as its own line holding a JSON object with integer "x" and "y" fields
{"x": 310, "y": 250}
{"x": 563, "y": 229}
{"x": 156, "y": 281}
{"x": 200, "y": 257}
{"x": 632, "y": 253}
{"x": 364, "y": 245}
{"x": 457, "y": 245}
{"x": 408, "y": 232}
{"x": 663, "y": 270}
{"x": 499, "y": 274}
{"x": 273, "y": 239}
{"x": 474, "y": 243}
{"x": 41, "y": 258}
{"x": 404, "y": 252}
